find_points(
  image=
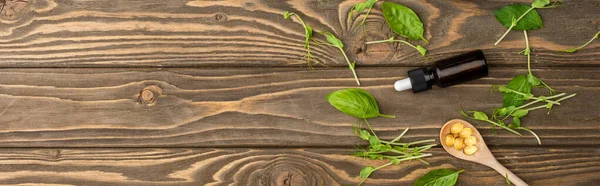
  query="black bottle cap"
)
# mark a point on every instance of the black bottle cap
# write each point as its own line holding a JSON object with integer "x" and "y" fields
{"x": 418, "y": 81}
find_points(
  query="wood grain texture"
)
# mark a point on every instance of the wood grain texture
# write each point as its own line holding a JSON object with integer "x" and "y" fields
{"x": 282, "y": 167}
{"x": 190, "y": 33}
{"x": 251, "y": 107}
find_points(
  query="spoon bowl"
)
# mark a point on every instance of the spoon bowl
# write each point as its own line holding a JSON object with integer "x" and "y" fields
{"x": 483, "y": 155}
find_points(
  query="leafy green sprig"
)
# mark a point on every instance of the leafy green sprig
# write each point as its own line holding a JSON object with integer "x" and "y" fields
{"x": 500, "y": 115}
{"x": 508, "y": 16}
{"x": 393, "y": 150}
{"x": 337, "y": 43}
{"x": 308, "y": 31}
{"x": 359, "y": 7}
{"x": 582, "y": 46}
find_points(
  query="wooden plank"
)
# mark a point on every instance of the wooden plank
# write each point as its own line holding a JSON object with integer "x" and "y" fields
{"x": 174, "y": 166}
{"x": 252, "y": 107}
{"x": 109, "y": 33}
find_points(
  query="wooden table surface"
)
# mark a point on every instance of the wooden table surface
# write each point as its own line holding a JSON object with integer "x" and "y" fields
{"x": 202, "y": 92}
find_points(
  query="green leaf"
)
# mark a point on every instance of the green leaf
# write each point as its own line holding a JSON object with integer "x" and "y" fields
{"x": 520, "y": 84}
{"x": 403, "y": 21}
{"x": 507, "y": 14}
{"x": 540, "y": 3}
{"x": 287, "y": 15}
{"x": 517, "y": 121}
{"x": 366, "y": 172}
{"x": 480, "y": 116}
{"x": 359, "y": 7}
{"x": 354, "y": 102}
{"x": 421, "y": 50}
{"x": 520, "y": 113}
{"x": 506, "y": 110}
{"x": 334, "y": 40}
{"x": 533, "y": 81}
{"x": 395, "y": 161}
{"x": 308, "y": 35}
{"x": 439, "y": 177}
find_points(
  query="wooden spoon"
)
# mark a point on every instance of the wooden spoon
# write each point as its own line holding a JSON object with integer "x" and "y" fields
{"x": 483, "y": 155}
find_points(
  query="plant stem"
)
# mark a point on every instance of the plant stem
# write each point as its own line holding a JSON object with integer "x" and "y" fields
{"x": 400, "y": 136}
{"x": 391, "y": 40}
{"x": 351, "y": 66}
{"x": 533, "y": 97}
{"x": 513, "y": 25}
{"x": 387, "y": 116}
{"x": 504, "y": 127}
{"x": 533, "y": 102}
{"x": 586, "y": 44}
{"x": 411, "y": 143}
{"x": 528, "y": 52}
{"x": 530, "y": 131}
{"x": 371, "y": 129}
{"x": 544, "y": 106}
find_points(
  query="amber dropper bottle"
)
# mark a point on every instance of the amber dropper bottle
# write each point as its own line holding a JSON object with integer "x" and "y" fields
{"x": 446, "y": 72}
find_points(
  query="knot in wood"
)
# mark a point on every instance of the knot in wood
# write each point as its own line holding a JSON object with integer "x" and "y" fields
{"x": 149, "y": 94}
{"x": 12, "y": 9}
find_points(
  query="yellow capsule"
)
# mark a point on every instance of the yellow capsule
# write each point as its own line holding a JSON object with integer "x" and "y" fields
{"x": 466, "y": 132}
{"x": 471, "y": 140}
{"x": 449, "y": 140}
{"x": 469, "y": 150}
{"x": 458, "y": 143}
{"x": 456, "y": 128}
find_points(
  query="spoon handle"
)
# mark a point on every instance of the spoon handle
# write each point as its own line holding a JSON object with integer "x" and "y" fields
{"x": 514, "y": 179}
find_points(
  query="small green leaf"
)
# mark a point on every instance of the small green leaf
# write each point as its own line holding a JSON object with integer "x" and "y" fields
{"x": 504, "y": 89}
{"x": 533, "y": 81}
{"x": 506, "y": 110}
{"x": 540, "y": 3}
{"x": 439, "y": 177}
{"x": 366, "y": 172}
{"x": 403, "y": 21}
{"x": 374, "y": 141}
{"x": 422, "y": 50}
{"x": 395, "y": 161}
{"x": 520, "y": 113}
{"x": 287, "y": 15}
{"x": 334, "y": 40}
{"x": 517, "y": 121}
{"x": 365, "y": 135}
{"x": 520, "y": 84}
{"x": 531, "y": 21}
{"x": 308, "y": 35}
{"x": 480, "y": 116}
{"x": 354, "y": 102}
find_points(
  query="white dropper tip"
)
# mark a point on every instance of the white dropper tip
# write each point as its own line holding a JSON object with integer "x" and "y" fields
{"x": 403, "y": 84}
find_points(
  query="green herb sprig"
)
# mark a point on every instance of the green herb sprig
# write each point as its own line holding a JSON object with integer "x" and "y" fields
{"x": 438, "y": 177}
{"x": 359, "y": 7}
{"x": 308, "y": 31}
{"x": 361, "y": 104}
{"x": 394, "y": 151}
{"x": 518, "y": 90}
{"x": 337, "y": 43}
{"x": 404, "y": 22}
{"x": 511, "y": 16}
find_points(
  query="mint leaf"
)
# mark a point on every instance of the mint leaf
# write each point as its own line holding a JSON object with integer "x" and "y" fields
{"x": 519, "y": 84}
{"x": 508, "y": 14}
{"x": 520, "y": 113}
{"x": 439, "y": 177}
{"x": 366, "y": 172}
{"x": 533, "y": 81}
{"x": 480, "y": 116}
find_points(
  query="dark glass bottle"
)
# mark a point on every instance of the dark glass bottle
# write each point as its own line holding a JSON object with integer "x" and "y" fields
{"x": 446, "y": 72}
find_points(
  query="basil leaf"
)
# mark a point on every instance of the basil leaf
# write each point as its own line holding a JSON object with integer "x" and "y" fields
{"x": 540, "y": 3}
{"x": 519, "y": 84}
{"x": 439, "y": 177}
{"x": 354, "y": 102}
{"x": 507, "y": 14}
{"x": 403, "y": 21}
